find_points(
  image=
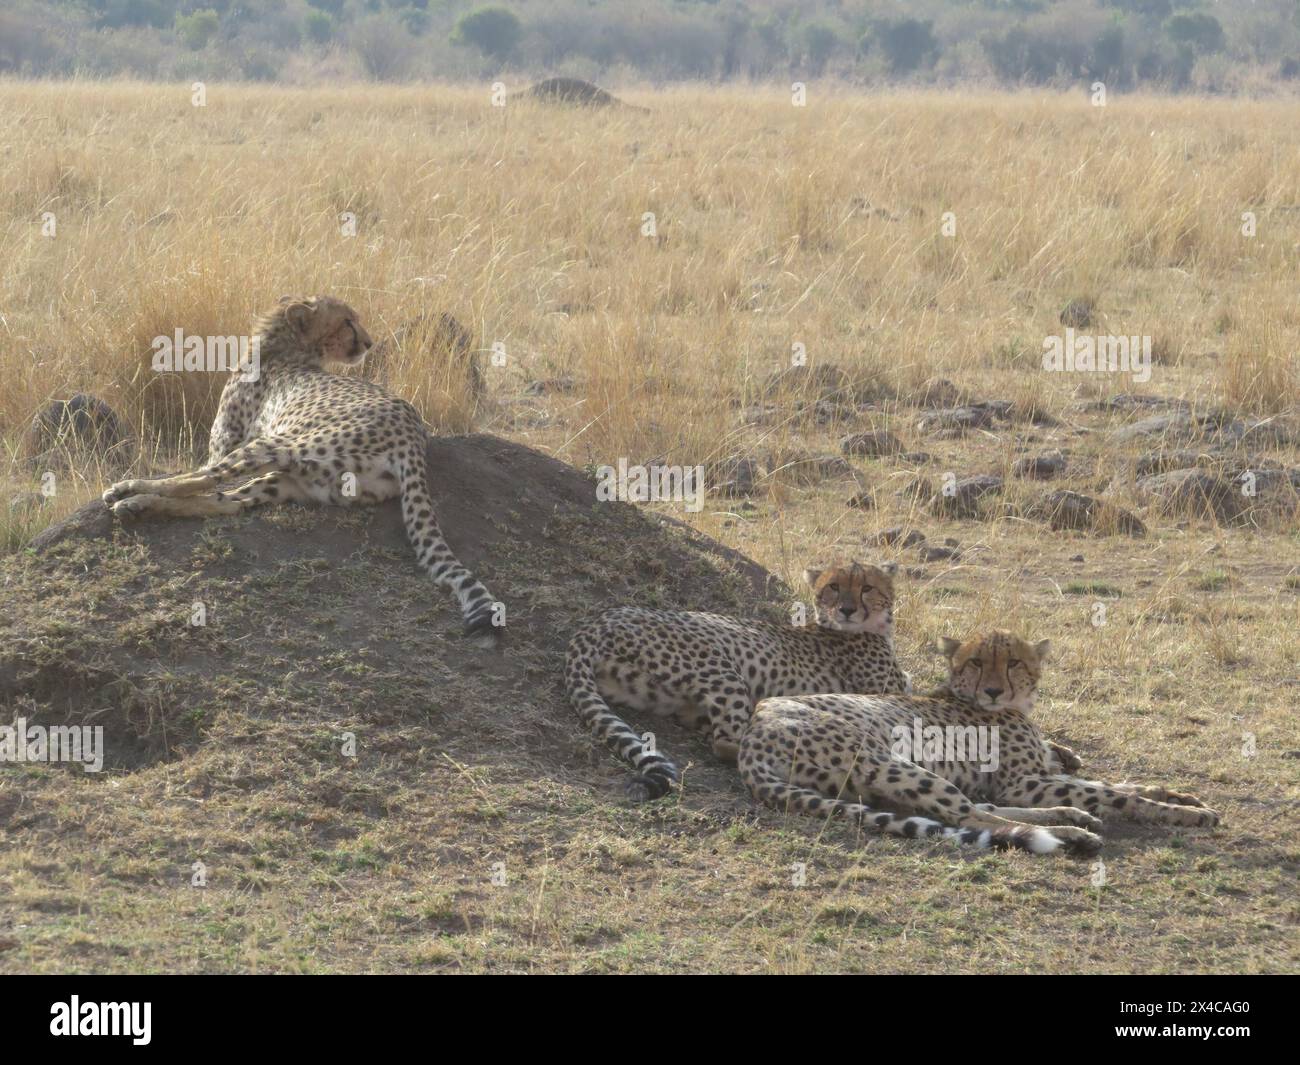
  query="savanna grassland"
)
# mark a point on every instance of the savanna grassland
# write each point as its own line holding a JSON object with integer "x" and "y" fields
{"x": 638, "y": 286}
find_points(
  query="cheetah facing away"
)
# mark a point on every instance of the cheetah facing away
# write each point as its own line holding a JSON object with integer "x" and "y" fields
{"x": 709, "y": 670}
{"x": 299, "y": 431}
{"x": 836, "y": 755}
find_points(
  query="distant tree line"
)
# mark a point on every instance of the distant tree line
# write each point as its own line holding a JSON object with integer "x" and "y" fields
{"x": 1171, "y": 44}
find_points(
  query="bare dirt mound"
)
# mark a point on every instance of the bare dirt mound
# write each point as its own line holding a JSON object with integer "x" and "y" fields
{"x": 577, "y": 92}
{"x": 316, "y": 622}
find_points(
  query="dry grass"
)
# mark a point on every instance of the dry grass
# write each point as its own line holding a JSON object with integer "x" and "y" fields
{"x": 775, "y": 226}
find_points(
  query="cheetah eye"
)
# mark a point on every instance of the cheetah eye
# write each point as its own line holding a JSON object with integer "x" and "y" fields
{"x": 976, "y": 663}
{"x": 834, "y": 588}
{"x": 1013, "y": 663}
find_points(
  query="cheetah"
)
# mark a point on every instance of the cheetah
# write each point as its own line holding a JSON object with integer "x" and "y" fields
{"x": 834, "y": 755}
{"x": 298, "y": 431}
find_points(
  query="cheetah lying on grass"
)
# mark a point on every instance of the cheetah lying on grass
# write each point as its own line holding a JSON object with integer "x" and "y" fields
{"x": 304, "y": 434}
{"x": 835, "y": 755}
{"x": 710, "y": 670}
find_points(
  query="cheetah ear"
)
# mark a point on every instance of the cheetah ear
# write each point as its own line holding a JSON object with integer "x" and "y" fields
{"x": 948, "y": 646}
{"x": 812, "y": 576}
{"x": 1042, "y": 648}
{"x": 297, "y": 312}
{"x": 888, "y": 568}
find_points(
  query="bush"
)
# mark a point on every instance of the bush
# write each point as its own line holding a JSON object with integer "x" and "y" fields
{"x": 906, "y": 43}
{"x": 1202, "y": 33}
{"x": 196, "y": 30}
{"x": 319, "y": 26}
{"x": 494, "y": 31}
{"x": 819, "y": 44}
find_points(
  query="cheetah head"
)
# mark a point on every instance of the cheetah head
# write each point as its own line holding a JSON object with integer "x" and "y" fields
{"x": 996, "y": 671}
{"x": 327, "y": 326}
{"x": 855, "y": 598}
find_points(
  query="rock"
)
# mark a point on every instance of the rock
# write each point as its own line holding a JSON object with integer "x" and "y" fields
{"x": 1078, "y": 313}
{"x": 916, "y": 458}
{"x": 1041, "y": 467}
{"x": 938, "y": 394}
{"x": 916, "y": 489}
{"x": 1128, "y": 403}
{"x": 1194, "y": 492}
{"x": 802, "y": 468}
{"x": 81, "y": 427}
{"x": 1073, "y": 510}
{"x": 1076, "y": 558}
{"x": 737, "y": 475}
{"x": 963, "y": 500}
{"x": 550, "y": 386}
{"x": 862, "y": 501}
{"x": 872, "y": 444}
{"x": 898, "y": 534}
{"x": 956, "y": 421}
{"x": 938, "y": 554}
{"x": 1182, "y": 427}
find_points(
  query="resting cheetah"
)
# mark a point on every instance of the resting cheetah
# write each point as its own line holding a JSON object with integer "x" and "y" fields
{"x": 710, "y": 669}
{"x": 303, "y": 430}
{"x": 805, "y": 753}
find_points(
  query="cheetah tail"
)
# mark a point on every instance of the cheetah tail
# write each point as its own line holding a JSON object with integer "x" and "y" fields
{"x": 655, "y": 775}
{"x": 477, "y": 606}
{"x": 768, "y": 787}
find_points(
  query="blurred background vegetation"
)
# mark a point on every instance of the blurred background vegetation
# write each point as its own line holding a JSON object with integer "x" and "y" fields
{"x": 1228, "y": 46}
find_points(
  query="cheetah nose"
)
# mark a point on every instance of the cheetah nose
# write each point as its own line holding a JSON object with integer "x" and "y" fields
{"x": 992, "y": 693}
{"x": 847, "y": 611}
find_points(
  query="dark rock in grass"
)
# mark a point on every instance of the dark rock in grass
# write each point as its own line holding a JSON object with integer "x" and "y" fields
{"x": 956, "y": 421}
{"x": 737, "y": 475}
{"x": 1072, "y": 510}
{"x": 80, "y": 429}
{"x": 872, "y": 444}
{"x": 963, "y": 498}
{"x": 1079, "y": 313}
{"x": 1040, "y": 467}
{"x": 1195, "y": 493}
{"x": 938, "y": 554}
{"x": 862, "y": 501}
{"x": 899, "y": 534}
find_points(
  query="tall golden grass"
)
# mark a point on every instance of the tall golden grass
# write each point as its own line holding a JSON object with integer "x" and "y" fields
{"x": 772, "y": 225}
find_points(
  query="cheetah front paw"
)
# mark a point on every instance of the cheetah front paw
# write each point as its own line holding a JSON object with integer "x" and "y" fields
{"x": 120, "y": 490}
{"x": 1173, "y": 798}
{"x": 1079, "y": 818}
{"x": 133, "y": 506}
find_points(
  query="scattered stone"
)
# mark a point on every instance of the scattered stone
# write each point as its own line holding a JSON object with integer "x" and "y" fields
{"x": 550, "y": 386}
{"x": 1041, "y": 467}
{"x": 83, "y": 426}
{"x": 862, "y": 501}
{"x": 1078, "y": 313}
{"x": 939, "y": 394}
{"x": 963, "y": 502}
{"x": 916, "y": 458}
{"x": 899, "y": 534}
{"x": 916, "y": 489}
{"x": 939, "y": 554}
{"x": 803, "y": 468}
{"x": 737, "y": 475}
{"x": 872, "y": 444}
{"x": 1127, "y": 403}
{"x": 1076, "y": 558}
{"x": 957, "y": 421}
{"x": 1072, "y": 510}
{"x": 1185, "y": 427}
{"x": 1195, "y": 492}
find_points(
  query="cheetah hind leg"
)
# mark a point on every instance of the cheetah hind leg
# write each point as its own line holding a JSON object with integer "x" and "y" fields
{"x": 1045, "y": 815}
{"x": 483, "y": 616}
